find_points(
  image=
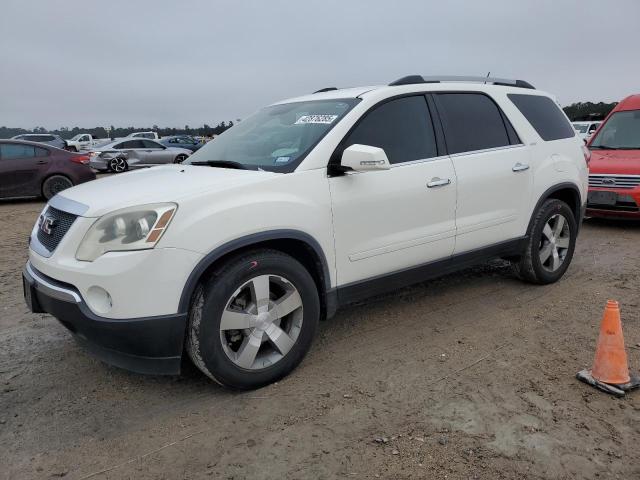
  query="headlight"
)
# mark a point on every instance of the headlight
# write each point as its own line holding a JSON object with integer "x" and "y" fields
{"x": 135, "y": 228}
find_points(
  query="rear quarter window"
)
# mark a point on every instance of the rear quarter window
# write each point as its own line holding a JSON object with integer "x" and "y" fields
{"x": 544, "y": 116}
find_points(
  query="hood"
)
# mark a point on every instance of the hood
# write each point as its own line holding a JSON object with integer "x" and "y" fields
{"x": 625, "y": 162}
{"x": 158, "y": 184}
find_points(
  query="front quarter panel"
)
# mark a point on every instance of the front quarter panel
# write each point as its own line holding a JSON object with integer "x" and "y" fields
{"x": 297, "y": 201}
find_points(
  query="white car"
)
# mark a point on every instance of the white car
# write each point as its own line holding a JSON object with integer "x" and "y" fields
{"x": 586, "y": 129}
{"x": 84, "y": 142}
{"x": 312, "y": 203}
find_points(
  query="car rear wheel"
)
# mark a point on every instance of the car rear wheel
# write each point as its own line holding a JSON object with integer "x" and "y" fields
{"x": 254, "y": 320}
{"x": 180, "y": 158}
{"x": 54, "y": 185}
{"x": 550, "y": 244}
{"x": 118, "y": 165}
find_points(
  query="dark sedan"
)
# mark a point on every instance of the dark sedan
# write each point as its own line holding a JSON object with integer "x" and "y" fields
{"x": 182, "y": 141}
{"x": 29, "y": 169}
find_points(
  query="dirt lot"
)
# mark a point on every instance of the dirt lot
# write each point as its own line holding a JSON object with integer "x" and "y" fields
{"x": 470, "y": 376}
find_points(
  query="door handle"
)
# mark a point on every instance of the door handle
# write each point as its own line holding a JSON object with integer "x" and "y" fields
{"x": 438, "y": 182}
{"x": 520, "y": 167}
{"x": 41, "y": 162}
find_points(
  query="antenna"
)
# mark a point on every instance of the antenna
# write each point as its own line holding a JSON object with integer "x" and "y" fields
{"x": 488, "y": 75}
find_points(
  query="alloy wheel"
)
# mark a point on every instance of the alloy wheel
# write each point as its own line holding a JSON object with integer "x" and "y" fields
{"x": 554, "y": 244}
{"x": 118, "y": 164}
{"x": 261, "y": 322}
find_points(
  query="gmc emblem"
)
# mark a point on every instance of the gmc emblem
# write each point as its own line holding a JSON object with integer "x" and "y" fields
{"x": 47, "y": 224}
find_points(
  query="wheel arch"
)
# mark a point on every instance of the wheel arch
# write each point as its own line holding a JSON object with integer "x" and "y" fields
{"x": 301, "y": 246}
{"x": 567, "y": 192}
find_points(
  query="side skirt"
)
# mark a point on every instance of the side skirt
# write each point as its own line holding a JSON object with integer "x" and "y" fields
{"x": 357, "y": 291}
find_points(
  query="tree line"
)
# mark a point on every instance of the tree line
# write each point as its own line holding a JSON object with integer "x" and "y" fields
{"x": 117, "y": 132}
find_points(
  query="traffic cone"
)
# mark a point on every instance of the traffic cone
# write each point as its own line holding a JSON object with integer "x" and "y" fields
{"x": 610, "y": 371}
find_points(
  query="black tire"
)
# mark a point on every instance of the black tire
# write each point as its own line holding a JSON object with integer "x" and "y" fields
{"x": 180, "y": 158}
{"x": 54, "y": 185}
{"x": 117, "y": 165}
{"x": 204, "y": 341}
{"x": 530, "y": 267}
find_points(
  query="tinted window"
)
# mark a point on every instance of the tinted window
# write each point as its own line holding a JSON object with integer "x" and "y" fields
{"x": 544, "y": 115}
{"x": 402, "y": 128}
{"x": 151, "y": 144}
{"x": 15, "y": 150}
{"x": 472, "y": 121}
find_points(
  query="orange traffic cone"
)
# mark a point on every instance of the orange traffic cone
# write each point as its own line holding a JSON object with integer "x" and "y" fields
{"x": 610, "y": 370}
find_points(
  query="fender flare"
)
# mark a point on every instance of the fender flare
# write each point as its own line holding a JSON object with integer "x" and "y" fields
{"x": 246, "y": 241}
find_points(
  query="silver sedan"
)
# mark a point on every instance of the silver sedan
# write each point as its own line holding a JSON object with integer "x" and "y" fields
{"x": 120, "y": 155}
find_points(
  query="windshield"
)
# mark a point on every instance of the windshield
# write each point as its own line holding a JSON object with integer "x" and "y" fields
{"x": 77, "y": 137}
{"x": 621, "y": 131}
{"x": 580, "y": 128}
{"x": 275, "y": 138}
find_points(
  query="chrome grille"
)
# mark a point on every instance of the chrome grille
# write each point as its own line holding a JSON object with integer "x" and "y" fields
{"x": 613, "y": 180}
{"x": 62, "y": 222}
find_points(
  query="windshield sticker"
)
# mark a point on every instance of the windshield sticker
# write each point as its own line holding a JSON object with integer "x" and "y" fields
{"x": 282, "y": 159}
{"x": 324, "y": 119}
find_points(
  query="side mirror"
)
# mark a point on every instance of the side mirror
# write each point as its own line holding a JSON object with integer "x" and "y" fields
{"x": 364, "y": 158}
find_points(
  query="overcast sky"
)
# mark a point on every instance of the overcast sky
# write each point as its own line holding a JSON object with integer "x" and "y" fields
{"x": 144, "y": 62}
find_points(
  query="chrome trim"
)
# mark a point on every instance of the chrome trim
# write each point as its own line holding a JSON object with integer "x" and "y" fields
{"x": 438, "y": 182}
{"x": 48, "y": 288}
{"x": 614, "y": 180}
{"x": 520, "y": 167}
{"x": 486, "y": 150}
{"x": 67, "y": 205}
{"x": 422, "y": 160}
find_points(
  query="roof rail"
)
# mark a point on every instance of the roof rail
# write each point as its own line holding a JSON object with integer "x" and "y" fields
{"x": 328, "y": 89}
{"x": 412, "y": 79}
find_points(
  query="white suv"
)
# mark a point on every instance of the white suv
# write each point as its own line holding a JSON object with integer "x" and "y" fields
{"x": 309, "y": 204}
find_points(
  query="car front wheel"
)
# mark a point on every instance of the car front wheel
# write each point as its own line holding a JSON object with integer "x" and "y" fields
{"x": 550, "y": 244}
{"x": 254, "y": 320}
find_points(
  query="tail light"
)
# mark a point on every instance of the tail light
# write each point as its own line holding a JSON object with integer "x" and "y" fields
{"x": 587, "y": 154}
{"x": 83, "y": 159}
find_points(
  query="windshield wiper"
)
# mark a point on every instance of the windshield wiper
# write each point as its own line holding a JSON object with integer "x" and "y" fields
{"x": 604, "y": 147}
{"x": 221, "y": 164}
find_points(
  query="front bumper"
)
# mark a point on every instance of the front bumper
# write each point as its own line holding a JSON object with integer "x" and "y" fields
{"x": 627, "y": 204}
{"x": 145, "y": 345}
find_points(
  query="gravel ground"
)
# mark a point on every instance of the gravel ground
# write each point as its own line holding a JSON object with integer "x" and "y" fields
{"x": 467, "y": 377}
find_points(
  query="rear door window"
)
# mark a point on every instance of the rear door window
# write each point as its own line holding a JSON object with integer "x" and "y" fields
{"x": 473, "y": 121}
{"x": 41, "y": 152}
{"x": 151, "y": 144}
{"x": 544, "y": 116}
{"x": 401, "y": 127}
{"x": 9, "y": 151}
